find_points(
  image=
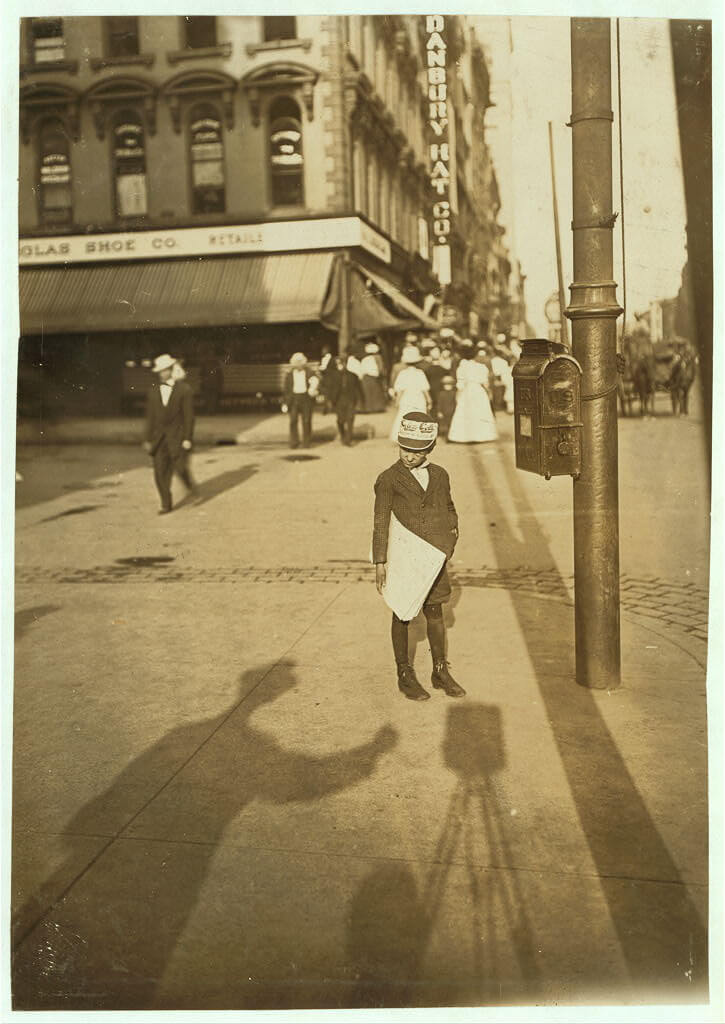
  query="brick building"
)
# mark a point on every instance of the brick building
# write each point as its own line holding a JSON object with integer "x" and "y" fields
{"x": 239, "y": 187}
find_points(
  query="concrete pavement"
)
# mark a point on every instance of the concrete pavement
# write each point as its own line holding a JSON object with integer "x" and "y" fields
{"x": 222, "y": 802}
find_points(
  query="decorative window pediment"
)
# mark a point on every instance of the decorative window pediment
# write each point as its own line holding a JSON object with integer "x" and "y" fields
{"x": 196, "y": 85}
{"x": 43, "y": 99}
{"x": 122, "y": 90}
{"x": 283, "y": 77}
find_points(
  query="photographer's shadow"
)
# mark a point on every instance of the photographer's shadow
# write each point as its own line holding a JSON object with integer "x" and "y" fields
{"x": 128, "y": 905}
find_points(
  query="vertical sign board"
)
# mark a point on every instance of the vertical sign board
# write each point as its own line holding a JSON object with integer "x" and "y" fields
{"x": 439, "y": 145}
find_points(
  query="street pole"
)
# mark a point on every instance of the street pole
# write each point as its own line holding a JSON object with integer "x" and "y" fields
{"x": 560, "y": 276}
{"x": 345, "y": 332}
{"x": 593, "y": 312}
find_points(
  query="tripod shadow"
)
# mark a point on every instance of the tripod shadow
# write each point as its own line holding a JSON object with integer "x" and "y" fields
{"x": 395, "y": 930}
{"x": 99, "y": 932}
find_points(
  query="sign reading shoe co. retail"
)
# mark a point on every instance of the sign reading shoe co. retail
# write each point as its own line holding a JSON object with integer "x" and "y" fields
{"x": 272, "y": 236}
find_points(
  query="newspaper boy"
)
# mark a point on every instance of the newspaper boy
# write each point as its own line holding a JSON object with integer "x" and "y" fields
{"x": 414, "y": 534}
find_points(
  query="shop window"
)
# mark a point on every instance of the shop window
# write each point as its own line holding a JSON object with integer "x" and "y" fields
{"x": 207, "y": 161}
{"x": 56, "y": 202}
{"x": 200, "y": 32}
{"x": 285, "y": 153}
{"x": 122, "y": 37}
{"x": 129, "y": 156}
{"x": 277, "y": 28}
{"x": 46, "y": 40}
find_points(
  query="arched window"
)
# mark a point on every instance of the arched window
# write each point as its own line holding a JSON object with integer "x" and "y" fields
{"x": 286, "y": 163}
{"x": 206, "y": 153}
{"x": 56, "y": 201}
{"x": 129, "y": 161}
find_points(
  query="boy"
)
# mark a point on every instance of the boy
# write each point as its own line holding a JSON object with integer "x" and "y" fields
{"x": 418, "y": 493}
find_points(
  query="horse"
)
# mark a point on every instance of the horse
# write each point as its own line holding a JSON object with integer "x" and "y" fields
{"x": 640, "y": 363}
{"x": 682, "y": 374}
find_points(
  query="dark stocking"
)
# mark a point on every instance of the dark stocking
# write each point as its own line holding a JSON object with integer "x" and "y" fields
{"x": 436, "y": 632}
{"x": 399, "y": 633}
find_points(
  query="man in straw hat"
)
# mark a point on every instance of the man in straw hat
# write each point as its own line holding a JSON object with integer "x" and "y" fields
{"x": 415, "y": 494}
{"x": 169, "y": 428}
{"x": 301, "y": 386}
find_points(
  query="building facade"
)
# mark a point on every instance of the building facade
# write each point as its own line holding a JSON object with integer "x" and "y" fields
{"x": 246, "y": 186}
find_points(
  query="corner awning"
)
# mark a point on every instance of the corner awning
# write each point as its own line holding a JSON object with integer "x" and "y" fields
{"x": 368, "y": 314}
{"x": 401, "y": 301}
{"x": 277, "y": 288}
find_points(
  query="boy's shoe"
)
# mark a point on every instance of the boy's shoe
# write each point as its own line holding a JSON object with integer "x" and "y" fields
{"x": 408, "y": 684}
{"x": 442, "y": 679}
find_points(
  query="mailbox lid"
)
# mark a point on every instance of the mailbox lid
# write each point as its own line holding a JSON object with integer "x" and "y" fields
{"x": 536, "y": 354}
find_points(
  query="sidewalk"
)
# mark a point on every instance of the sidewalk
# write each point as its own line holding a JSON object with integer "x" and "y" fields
{"x": 222, "y": 801}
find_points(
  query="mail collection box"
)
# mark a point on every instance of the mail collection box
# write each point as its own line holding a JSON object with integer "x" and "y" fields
{"x": 547, "y": 409}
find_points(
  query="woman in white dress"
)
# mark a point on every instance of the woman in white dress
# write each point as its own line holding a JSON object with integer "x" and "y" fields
{"x": 473, "y": 420}
{"x": 410, "y": 388}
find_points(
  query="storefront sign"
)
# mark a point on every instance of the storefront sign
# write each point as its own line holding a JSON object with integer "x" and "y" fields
{"x": 277, "y": 236}
{"x": 439, "y": 147}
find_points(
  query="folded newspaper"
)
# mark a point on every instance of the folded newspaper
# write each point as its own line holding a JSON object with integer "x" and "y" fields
{"x": 412, "y": 567}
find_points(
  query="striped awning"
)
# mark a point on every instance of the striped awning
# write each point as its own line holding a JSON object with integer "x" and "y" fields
{"x": 400, "y": 301}
{"x": 275, "y": 288}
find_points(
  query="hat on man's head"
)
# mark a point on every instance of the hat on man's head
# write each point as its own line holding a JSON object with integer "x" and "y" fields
{"x": 298, "y": 359}
{"x": 164, "y": 362}
{"x": 410, "y": 355}
{"x": 418, "y": 431}
{"x": 411, "y": 338}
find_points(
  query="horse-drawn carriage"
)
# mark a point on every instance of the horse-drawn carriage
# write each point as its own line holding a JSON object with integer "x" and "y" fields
{"x": 668, "y": 365}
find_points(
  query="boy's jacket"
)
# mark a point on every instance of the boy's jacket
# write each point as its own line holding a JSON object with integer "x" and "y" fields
{"x": 430, "y": 514}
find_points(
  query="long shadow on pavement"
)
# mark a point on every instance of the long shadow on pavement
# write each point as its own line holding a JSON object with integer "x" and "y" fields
{"x": 659, "y": 929}
{"x": 27, "y": 617}
{"x": 99, "y": 932}
{"x": 216, "y": 485}
{"x": 490, "y": 956}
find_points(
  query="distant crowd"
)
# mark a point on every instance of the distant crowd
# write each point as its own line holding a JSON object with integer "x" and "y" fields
{"x": 459, "y": 382}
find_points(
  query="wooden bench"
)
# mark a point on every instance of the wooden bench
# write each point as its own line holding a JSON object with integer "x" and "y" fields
{"x": 241, "y": 383}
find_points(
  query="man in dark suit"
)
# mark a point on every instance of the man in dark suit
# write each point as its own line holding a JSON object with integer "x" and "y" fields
{"x": 169, "y": 428}
{"x": 348, "y": 398}
{"x": 301, "y": 386}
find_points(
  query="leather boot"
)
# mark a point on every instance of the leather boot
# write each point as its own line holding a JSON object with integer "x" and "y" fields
{"x": 442, "y": 679}
{"x": 408, "y": 684}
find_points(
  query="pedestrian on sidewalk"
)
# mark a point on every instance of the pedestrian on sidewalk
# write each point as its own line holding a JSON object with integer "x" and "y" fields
{"x": 169, "y": 427}
{"x": 446, "y": 407}
{"x": 418, "y": 494}
{"x": 473, "y": 421}
{"x": 411, "y": 389}
{"x": 348, "y": 397}
{"x": 372, "y": 378}
{"x": 301, "y": 386}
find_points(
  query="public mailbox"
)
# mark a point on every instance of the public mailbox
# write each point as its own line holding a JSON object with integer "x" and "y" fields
{"x": 547, "y": 409}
